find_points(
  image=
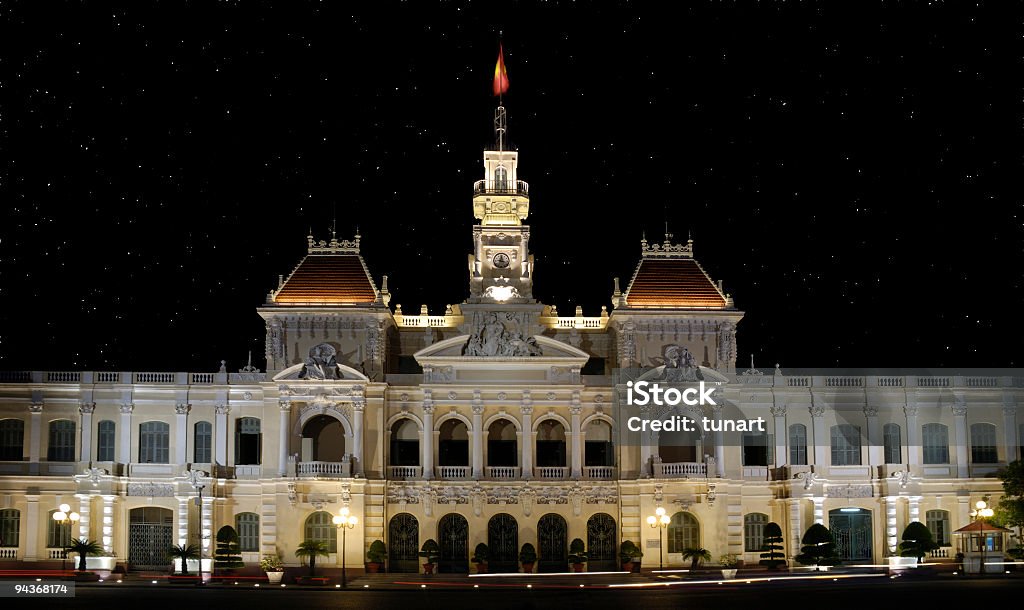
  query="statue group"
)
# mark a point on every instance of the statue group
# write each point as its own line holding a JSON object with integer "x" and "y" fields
{"x": 680, "y": 365}
{"x": 322, "y": 363}
{"x": 493, "y": 337}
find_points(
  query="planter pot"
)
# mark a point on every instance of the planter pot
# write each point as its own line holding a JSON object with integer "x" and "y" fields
{"x": 577, "y": 567}
{"x": 481, "y": 568}
{"x": 428, "y": 568}
{"x": 898, "y": 564}
{"x": 275, "y": 577}
{"x": 729, "y": 573}
{"x": 627, "y": 566}
{"x": 373, "y": 567}
{"x": 528, "y": 568}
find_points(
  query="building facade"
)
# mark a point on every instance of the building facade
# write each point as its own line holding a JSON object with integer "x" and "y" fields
{"x": 499, "y": 421}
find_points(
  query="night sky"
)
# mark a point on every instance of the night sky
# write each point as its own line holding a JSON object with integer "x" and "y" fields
{"x": 852, "y": 174}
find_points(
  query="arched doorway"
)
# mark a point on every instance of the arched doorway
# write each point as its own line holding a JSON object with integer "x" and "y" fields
{"x": 552, "y": 554}
{"x": 550, "y": 444}
{"x": 598, "y": 449}
{"x": 150, "y": 536}
{"x": 680, "y": 446}
{"x": 453, "y": 444}
{"x": 601, "y": 542}
{"x": 403, "y": 544}
{"x": 323, "y": 440}
{"x": 501, "y": 444}
{"x": 503, "y": 543}
{"x": 851, "y": 530}
{"x": 405, "y": 443}
{"x": 453, "y": 534}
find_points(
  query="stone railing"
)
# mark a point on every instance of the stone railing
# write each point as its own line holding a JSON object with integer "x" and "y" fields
{"x": 9, "y": 553}
{"x": 57, "y": 553}
{"x": 421, "y": 321}
{"x": 454, "y": 472}
{"x": 324, "y": 469}
{"x": 405, "y": 472}
{"x": 550, "y": 472}
{"x": 880, "y": 381}
{"x": 679, "y": 469}
{"x": 503, "y": 472}
{"x": 580, "y": 322}
{"x": 599, "y": 472}
{"x": 129, "y": 377}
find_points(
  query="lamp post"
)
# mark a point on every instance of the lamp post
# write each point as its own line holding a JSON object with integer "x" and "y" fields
{"x": 65, "y": 517}
{"x": 660, "y": 519}
{"x": 981, "y": 512}
{"x": 344, "y": 522}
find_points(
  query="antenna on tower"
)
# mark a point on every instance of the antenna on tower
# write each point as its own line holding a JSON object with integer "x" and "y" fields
{"x": 334, "y": 219}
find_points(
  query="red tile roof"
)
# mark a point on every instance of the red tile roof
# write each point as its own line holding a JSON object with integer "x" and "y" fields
{"x": 672, "y": 282}
{"x": 328, "y": 279}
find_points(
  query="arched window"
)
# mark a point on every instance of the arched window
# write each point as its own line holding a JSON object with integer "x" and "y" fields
{"x": 248, "y": 441}
{"x": 983, "y": 444}
{"x": 58, "y": 534}
{"x": 248, "y": 527}
{"x": 12, "y": 440}
{"x": 938, "y": 523}
{"x": 550, "y": 443}
{"x": 845, "y": 445}
{"x": 405, "y": 443}
{"x": 598, "y": 449}
{"x": 501, "y": 444}
{"x": 500, "y": 179}
{"x": 798, "y": 445}
{"x": 453, "y": 444}
{"x": 154, "y": 442}
{"x": 935, "y": 444}
{"x": 10, "y": 527}
{"x": 892, "y": 444}
{"x": 320, "y": 527}
{"x": 757, "y": 448}
{"x": 105, "y": 441}
{"x": 683, "y": 532}
{"x": 753, "y": 531}
{"x": 203, "y": 443}
{"x": 62, "y": 441}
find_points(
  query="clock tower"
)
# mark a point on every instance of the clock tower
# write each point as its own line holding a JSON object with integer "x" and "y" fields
{"x": 501, "y": 266}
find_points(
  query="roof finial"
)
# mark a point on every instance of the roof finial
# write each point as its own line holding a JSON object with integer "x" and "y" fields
{"x": 334, "y": 220}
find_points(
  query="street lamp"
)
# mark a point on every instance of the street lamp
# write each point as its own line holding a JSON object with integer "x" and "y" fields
{"x": 660, "y": 519}
{"x": 65, "y": 517}
{"x": 344, "y": 522}
{"x": 981, "y": 512}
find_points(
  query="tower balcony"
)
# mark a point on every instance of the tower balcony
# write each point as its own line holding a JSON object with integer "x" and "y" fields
{"x": 501, "y": 187}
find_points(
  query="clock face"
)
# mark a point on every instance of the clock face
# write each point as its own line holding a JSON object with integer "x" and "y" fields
{"x": 501, "y": 260}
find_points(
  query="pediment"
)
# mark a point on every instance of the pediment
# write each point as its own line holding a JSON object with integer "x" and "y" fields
{"x": 344, "y": 373}
{"x": 658, "y": 373}
{"x": 450, "y": 350}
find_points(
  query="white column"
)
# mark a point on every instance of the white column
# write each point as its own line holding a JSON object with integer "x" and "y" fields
{"x": 876, "y": 452}
{"x": 282, "y": 439}
{"x": 124, "y": 453}
{"x": 181, "y": 433}
{"x": 960, "y": 423}
{"x": 963, "y": 512}
{"x": 31, "y": 528}
{"x": 428, "y": 437}
{"x": 719, "y": 444}
{"x": 781, "y": 437}
{"x": 206, "y": 532}
{"x": 820, "y": 438}
{"x": 1009, "y": 428}
{"x": 913, "y": 433}
{"x": 108, "y": 524}
{"x": 86, "y": 409}
{"x": 358, "y": 407}
{"x": 577, "y": 437}
{"x": 795, "y": 527}
{"x": 35, "y": 436}
{"x": 182, "y": 519}
{"x": 220, "y": 431}
{"x": 84, "y": 508}
{"x": 891, "y": 526}
{"x": 819, "y": 510}
{"x": 914, "y": 508}
{"x": 526, "y": 411}
{"x": 478, "y": 440}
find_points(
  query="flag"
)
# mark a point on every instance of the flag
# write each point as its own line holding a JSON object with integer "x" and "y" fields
{"x": 500, "y": 75}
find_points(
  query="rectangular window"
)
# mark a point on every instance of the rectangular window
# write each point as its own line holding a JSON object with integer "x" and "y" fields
{"x": 798, "y": 445}
{"x": 154, "y": 442}
{"x": 891, "y": 440}
{"x": 203, "y": 443}
{"x": 62, "y": 441}
{"x": 938, "y": 522}
{"x": 845, "y": 445}
{"x": 10, "y": 526}
{"x": 248, "y": 526}
{"x": 105, "y": 441}
{"x": 935, "y": 444}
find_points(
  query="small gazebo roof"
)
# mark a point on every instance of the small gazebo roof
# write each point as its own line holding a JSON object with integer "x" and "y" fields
{"x": 980, "y": 526}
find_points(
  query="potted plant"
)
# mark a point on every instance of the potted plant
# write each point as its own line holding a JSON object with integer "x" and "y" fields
{"x": 84, "y": 547}
{"x": 228, "y": 555}
{"x": 696, "y": 554}
{"x": 312, "y": 549}
{"x": 917, "y": 540}
{"x": 430, "y": 553}
{"x": 772, "y": 557}
{"x": 818, "y": 548}
{"x": 527, "y": 557}
{"x": 629, "y": 554}
{"x": 376, "y": 556}
{"x": 480, "y": 554}
{"x": 729, "y": 565}
{"x": 183, "y": 553}
{"x": 274, "y": 568}
{"x": 577, "y": 554}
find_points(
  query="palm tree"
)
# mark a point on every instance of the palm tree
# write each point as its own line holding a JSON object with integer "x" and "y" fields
{"x": 312, "y": 549}
{"x": 696, "y": 554}
{"x": 84, "y": 547}
{"x": 184, "y": 553}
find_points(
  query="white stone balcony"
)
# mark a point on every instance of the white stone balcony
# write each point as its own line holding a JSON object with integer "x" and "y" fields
{"x": 323, "y": 470}
{"x": 250, "y": 472}
{"x": 679, "y": 470}
{"x": 550, "y": 472}
{"x": 602, "y": 473}
{"x": 503, "y": 472}
{"x": 405, "y": 472}
{"x": 454, "y": 472}
{"x": 10, "y": 552}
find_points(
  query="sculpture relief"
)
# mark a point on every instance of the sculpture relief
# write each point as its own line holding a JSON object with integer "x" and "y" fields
{"x": 322, "y": 363}
{"x": 680, "y": 365}
{"x": 501, "y": 334}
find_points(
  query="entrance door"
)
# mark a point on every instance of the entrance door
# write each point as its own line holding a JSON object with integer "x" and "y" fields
{"x": 149, "y": 538}
{"x": 601, "y": 540}
{"x": 552, "y": 556}
{"x": 503, "y": 544}
{"x": 851, "y": 529}
{"x": 453, "y": 533}
{"x": 403, "y": 544}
